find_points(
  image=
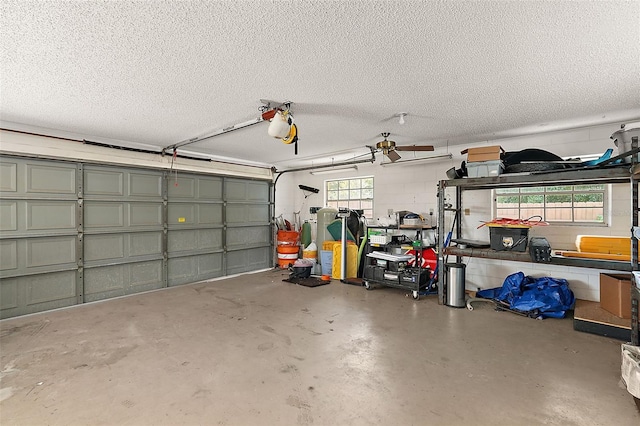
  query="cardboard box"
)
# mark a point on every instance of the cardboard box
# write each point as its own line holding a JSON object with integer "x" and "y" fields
{"x": 615, "y": 294}
{"x": 483, "y": 153}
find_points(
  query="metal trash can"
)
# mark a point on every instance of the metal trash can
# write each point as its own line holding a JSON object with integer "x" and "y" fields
{"x": 455, "y": 279}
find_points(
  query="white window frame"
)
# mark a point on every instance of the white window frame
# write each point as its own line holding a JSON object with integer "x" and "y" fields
{"x": 606, "y": 215}
{"x": 368, "y": 213}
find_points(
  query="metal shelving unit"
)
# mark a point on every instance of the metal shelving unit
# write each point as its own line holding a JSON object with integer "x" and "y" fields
{"x": 584, "y": 176}
{"x": 397, "y": 273}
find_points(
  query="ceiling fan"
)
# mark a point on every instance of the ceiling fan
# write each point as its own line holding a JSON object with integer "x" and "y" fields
{"x": 389, "y": 148}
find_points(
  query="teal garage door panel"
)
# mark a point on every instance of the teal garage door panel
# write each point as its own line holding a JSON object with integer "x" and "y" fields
{"x": 195, "y": 220}
{"x": 124, "y": 219}
{"x": 40, "y": 251}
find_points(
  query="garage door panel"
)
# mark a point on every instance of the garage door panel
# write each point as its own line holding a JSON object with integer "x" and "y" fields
{"x": 145, "y": 185}
{"x": 103, "y": 215}
{"x": 50, "y": 287}
{"x": 51, "y": 215}
{"x": 246, "y": 190}
{"x": 209, "y": 266}
{"x": 248, "y": 260}
{"x": 103, "y": 247}
{"x": 8, "y": 177}
{"x": 247, "y": 214}
{"x": 145, "y": 214}
{"x": 118, "y": 280}
{"x": 118, "y": 182}
{"x": 8, "y": 293}
{"x": 181, "y": 269}
{"x": 181, "y": 214}
{"x": 8, "y": 255}
{"x": 180, "y": 241}
{"x": 188, "y": 269}
{"x": 248, "y": 237}
{"x": 103, "y": 182}
{"x": 50, "y": 179}
{"x": 124, "y": 231}
{"x": 210, "y": 188}
{"x": 105, "y": 279}
{"x": 145, "y": 243}
{"x": 195, "y": 188}
{"x": 182, "y": 188}
{"x": 50, "y": 251}
{"x": 8, "y": 216}
{"x": 145, "y": 276}
{"x": 37, "y": 293}
{"x": 210, "y": 214}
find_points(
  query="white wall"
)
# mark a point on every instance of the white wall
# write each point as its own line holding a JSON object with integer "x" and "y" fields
{"x": 414, "y": 188}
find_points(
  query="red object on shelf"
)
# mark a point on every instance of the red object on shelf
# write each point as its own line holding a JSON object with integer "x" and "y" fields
{"x": 506, "y": 222}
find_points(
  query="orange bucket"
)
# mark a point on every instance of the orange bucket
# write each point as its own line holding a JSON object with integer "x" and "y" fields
{"x": 288, "y": 238}
{"x": 287, "y": 255}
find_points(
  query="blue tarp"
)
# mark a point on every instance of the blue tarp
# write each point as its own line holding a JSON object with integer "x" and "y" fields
{"x": 549, "y": 297}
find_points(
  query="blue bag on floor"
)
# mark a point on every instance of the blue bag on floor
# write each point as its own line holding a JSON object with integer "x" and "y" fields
{"x": 550, "y": 297}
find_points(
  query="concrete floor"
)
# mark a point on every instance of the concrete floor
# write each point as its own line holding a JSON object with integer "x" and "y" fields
{"x": 255, "y": 350}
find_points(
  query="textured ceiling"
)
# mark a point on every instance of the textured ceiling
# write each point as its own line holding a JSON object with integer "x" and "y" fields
{"x": 160, "y": 72}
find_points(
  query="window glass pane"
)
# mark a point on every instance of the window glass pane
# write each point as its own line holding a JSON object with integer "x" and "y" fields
{"x": 527, "y": 212}
{"x": 507, "y": 190}
{"x": 589, "y": 215}
{"x": 532, "y": 189}
{"x": 588, "y": 200}
{"x": 558, "y": 200}
{"x": 355, "y": 194}
{"x": 511, "y": 213}
{"x": 558, "y": 188}
{"x": 589, "y": 187}
{"x": 560, "y": 215}
{"x": 530, "y": 200}
{"x": 504, "y": 201}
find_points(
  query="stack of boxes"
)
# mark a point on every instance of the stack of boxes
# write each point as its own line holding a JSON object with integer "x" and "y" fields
{"x": 484, "y": 161}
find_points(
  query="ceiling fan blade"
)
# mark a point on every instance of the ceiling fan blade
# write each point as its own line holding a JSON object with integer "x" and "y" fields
{"x": 415, "y": 148}
{"x": 393, "y": 156}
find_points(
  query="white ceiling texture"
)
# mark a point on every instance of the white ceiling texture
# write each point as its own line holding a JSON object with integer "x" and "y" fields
{"x": 155, "y": 73}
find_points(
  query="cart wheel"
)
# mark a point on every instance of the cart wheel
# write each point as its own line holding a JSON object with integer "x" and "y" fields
{"x": 367, "y": 285}
{"x": 415, "y": 295}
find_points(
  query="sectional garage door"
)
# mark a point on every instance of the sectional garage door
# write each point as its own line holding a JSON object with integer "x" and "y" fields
{"x": 73, "y": 233}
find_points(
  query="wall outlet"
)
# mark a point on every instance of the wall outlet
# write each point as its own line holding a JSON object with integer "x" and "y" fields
{"x": 467, "y": 212}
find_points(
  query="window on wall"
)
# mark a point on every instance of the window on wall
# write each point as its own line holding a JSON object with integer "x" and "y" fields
{"x": 580, "y": 204}
{"x": 353, "y": 193}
